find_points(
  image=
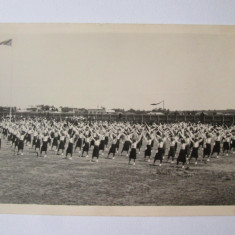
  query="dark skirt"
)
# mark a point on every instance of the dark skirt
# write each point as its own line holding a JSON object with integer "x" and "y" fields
{"x": 194, "y": 153}
{"x": 79, "y": 143}
{"x": 26, "y": 137}
{"x": 17, "y": 142}
{"x": 164, "y": 148}
{"x": 101, "y": 146}
{"x": 92, "y": 142}
{"x": 207, "y": 150}
{"x": 38, "y": 144}
{"x": 70, "y": 148}
{"x": 201, "y": 143}
{"x": 139, "y": 144}
{"x": 182, "y": 156}
{"x": 34, "y": 140}
{"x": 112, "y": 149}
{"x": 55, "y": 142}
{"x": 159, "y": 154}
{"x": 52, "y": 135}
{"x": 9, "y": 137}
{"x": 61, "y": 145}
{"x": 44, "y": 146}
{"x": 118, "y": 144}
{"x": 171, "y": 152}
{"x": 126, "y": 146}
{"x": 226, "y": 146}
{"x": 13, "y": 139}
{"x": 216, "y": 148}
{"x": 191, "y": 145}
{"x": 232, "y": 144}
{"x": 187, "y": 150}
{"x": 148, "y": 151}
{"x": 29, "y": 138}
{"x": 4, "y": 131}
{"x": 95, "y": 151}
{"x": 176, "y": 146}
{"x": 86, "y": 147}
{"x": 106, "y": 140}
{"x": 21, "y": 145}
{"x": 133, "y": 153}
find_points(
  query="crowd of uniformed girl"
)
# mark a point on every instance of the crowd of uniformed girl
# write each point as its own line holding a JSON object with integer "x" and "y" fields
{"x": 178, "y": 141}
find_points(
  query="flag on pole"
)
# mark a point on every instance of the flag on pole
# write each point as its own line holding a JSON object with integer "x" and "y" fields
{"x": 157, "y": 103}
{"x": 6, "y": 42}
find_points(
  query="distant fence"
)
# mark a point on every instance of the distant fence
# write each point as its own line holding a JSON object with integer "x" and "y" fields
{"x": 212, "y": 119}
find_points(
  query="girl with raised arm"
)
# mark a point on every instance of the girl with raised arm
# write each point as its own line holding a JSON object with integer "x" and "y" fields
{"x": 148, "y": 150}
{"x": 86, "y": 145}
{"x": 207, "y": 148}
{"x": 95, "y": 153}
{"x": 38, "y": 143}
{"x": 182, "y": 153}
{"x": 69, "y": 149}
{"x": 21, "y": 143}
{"x": 216, "y": 148}
{"x": 133, "y": 149}
{"x": 226, "y": 143}
{"x": 62, "y": 143}
{"x": 196, "y": 142}
{"x": 160, "y": 151}
{"x": 44, "y": 144}
{"x": 126, "y": 145}
{"x": 79, "y": 142}
{"x": 102, "y": 143}
{"x": 112, "y": 149}
{"x": 172, "y": 150}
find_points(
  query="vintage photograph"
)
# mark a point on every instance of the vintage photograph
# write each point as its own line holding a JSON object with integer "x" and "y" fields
{"x": 117, "y": 115}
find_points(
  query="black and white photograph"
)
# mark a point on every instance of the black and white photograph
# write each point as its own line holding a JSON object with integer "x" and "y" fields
{"x": 117, "y": 115}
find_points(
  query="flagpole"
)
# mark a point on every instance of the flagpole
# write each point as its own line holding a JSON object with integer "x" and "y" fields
{"x": 11, "y": 85}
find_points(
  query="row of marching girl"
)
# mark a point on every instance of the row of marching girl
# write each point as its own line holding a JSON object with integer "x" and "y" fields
{"x": 228, "y": 142}
{"x": 190, "y": 145}
{"x": 19, "y": 142}
{"x": 99, "y": 145}
{"x": 148, "y": 151}
{"x": 183, "y": 141}
{"x": 161, "y": 139}
{"x": 17, "y": 139}
{"x": 185, "y": 145}
{"x": 162, "y": 136}
{"x": 43, "y": 140}
{"x": 98, "y": 141}
{"x": 211, "y": 144}
{"x": 96, "y": 150}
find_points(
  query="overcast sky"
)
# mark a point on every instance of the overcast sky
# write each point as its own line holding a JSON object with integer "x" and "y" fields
{"x": 119, "y": 70}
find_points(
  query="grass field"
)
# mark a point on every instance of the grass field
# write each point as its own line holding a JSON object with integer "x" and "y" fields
{"x": 56, "y": 181}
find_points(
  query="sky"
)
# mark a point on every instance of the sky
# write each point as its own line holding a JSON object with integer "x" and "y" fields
{"x": 117, "y": 69}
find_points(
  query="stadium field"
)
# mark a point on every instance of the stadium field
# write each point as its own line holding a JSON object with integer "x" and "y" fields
{"x": 53, "y": 180}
